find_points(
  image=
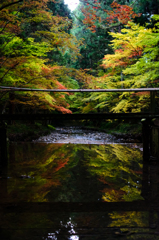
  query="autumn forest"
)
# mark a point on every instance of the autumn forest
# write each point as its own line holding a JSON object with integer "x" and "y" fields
{"x": 49, "y": 188}
{"x": 100, "y": 45}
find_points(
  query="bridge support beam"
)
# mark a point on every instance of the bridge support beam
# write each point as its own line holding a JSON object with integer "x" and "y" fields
{"x": 150, "y": 133}
{"x": 154, "y": 140}
{"x": 152, "y": 102}
{"x": 146, "y": 139}
{"x": 3, "y": 144}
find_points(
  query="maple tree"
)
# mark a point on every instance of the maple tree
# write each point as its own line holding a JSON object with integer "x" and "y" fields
{"x": 32, "y": 37}
{"x": 115, "y": 17}
{"x": 134, "y": 64}
{"x": 92, "y": 21}
{"x": 28, "y": 32}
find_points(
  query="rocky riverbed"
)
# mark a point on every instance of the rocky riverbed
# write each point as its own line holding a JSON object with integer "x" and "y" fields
{"x": 77, "y": 135}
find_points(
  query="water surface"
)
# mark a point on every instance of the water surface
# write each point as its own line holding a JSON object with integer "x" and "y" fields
{"x": 76, "y": 191}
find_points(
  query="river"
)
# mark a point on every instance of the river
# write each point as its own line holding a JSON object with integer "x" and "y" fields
{"x": 78, "y": 185}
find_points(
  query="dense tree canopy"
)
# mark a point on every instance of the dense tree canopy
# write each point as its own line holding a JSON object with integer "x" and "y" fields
{"x": 134, "y": 64}
{"x": 102, "y": 44}
{"x": 29, "y": 34}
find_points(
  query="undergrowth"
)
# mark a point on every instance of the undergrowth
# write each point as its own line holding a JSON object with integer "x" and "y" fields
{"x": 27, "y": 131}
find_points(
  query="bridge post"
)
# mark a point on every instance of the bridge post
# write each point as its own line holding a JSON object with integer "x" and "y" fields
{"x": 3, "y": 144}
{"x": 150, "y": 134}
{"x": 146, "y": 139}
{"x": 152, "y": 101}
{"x": 154, "y": 140}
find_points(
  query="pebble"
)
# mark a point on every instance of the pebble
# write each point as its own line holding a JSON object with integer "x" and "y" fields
{"x": 77, "y": 135}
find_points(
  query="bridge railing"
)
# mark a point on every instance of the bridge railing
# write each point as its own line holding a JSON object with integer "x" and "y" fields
{"x": 3, "y": 88}
{"x": 151, "y": 90}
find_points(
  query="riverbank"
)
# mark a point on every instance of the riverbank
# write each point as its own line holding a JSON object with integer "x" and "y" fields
{"x": 125, "y": 130}
{"x": 29, "y": 132}
{"x": 124, "y": 135}
{"x": 77, "y": 135}
{"x": 83, "y": 135}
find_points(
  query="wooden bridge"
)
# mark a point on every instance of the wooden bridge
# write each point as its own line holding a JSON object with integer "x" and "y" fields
{"x": 87, "y": 116}
{"x": 150, "y": 129}
{"x": 150, "y": 137}
{"x": 56, "y": 117}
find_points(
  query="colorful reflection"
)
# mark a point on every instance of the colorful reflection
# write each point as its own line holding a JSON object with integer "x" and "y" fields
{"x": 73, "y": 173}
{"x": 68, "y": 173}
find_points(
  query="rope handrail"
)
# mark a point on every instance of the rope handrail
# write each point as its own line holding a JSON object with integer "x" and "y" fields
{"x": 3, "y": 88}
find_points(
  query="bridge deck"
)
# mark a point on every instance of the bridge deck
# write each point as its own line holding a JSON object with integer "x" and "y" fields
{"x": 91, "y": 116}
{"x": 139, "y": 205}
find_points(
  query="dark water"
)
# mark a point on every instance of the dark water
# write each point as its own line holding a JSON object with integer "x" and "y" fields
{"x": 78, "y": 192}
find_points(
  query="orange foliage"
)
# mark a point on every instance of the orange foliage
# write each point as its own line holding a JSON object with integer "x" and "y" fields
{"x": 115, "y": 195}
{"x": 155, "y": 81}
{"x": 60, "y": 86}
{"x": 14, "y": 17}
{"x": 61, "y": 164}
{"x": 136, "y": 53}
{"x": 62, "y": 109}
{"x": 119, "y": 13}
{"x": 104, "y": 181}
{"x": 10, "y": 22}
{"x": 140, "y": 93}
{"x": 137, "y": 172}
{"x": 50, "y": 183}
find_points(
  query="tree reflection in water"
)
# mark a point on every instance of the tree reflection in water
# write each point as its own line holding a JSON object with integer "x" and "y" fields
{"x": 75, "y": 174}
